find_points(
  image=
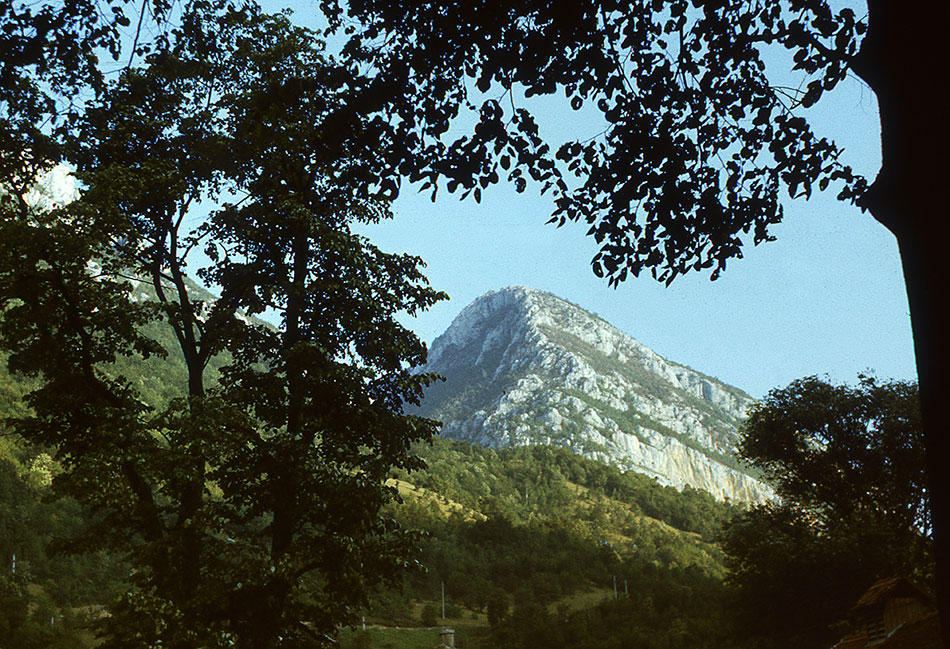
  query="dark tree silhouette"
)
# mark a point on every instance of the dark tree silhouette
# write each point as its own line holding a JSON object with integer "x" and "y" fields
{"x": 249, "y": 507}
{"x": 848, "y": 466}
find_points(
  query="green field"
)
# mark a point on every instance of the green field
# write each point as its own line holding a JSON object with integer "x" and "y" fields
{"x": 378, "y": 637}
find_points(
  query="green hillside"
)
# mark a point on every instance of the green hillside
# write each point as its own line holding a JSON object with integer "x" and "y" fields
{"x": 527, "y": 542}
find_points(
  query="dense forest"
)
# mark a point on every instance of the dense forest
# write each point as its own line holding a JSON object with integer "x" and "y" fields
{"x": 508, "y": 534}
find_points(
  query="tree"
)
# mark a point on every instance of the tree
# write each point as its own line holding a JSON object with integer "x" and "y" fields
{"x": 848, "y": 466}
{"x": 249, "y": 507}
{"x": 698, "y": 143}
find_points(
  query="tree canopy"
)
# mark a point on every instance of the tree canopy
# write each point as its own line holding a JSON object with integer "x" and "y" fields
{"x": 848, "y": 467}
{"x": 698, "y": 142}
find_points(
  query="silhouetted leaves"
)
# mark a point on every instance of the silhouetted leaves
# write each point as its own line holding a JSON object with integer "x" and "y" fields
{"x": 698, "y": 141}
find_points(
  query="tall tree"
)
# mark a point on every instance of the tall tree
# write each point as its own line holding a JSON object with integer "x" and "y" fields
{"x": 699, "y": 143}
{"x": 848, "y": 466}
{"x": 250, "y": 506}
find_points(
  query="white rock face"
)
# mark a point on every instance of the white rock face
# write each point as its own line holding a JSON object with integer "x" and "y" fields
{"x": 55, "y": 188}
{"x": 525, "y": 367}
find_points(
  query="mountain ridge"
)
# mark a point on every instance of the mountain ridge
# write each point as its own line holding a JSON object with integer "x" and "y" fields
{"x": 524, "y": 366}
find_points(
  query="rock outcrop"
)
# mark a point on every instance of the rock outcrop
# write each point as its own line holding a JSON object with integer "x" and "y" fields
{"x": 54, "y": 188}
{"x": 525, "y": 367}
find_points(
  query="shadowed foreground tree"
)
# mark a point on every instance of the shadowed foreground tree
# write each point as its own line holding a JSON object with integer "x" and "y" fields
{"x": 249, "y": 507}
{"x": 699, "y": 143}
{"x": 848, "y": 466}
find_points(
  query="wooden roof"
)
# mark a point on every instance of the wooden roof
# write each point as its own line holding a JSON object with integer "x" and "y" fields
{"x": 887, "y": 588}
{"x": 923, "y": 633}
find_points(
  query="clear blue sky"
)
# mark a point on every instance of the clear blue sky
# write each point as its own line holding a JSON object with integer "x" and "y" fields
{"x": 826, "y": 298}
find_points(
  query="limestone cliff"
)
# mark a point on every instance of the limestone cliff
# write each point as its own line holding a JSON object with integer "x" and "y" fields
{"x": 525, "y": 367}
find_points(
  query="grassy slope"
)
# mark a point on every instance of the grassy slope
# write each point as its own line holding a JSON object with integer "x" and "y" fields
{"x": 528, "y": 488}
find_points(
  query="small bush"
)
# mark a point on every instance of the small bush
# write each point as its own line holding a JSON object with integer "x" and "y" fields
{"x": 430, "y": 615}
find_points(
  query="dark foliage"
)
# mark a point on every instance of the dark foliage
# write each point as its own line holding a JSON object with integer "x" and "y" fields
{"x": 247, "y": 500}
{"x": 848, "y": 465}
{"x": 663, "y": 610}
{"x": 697, "y": 142}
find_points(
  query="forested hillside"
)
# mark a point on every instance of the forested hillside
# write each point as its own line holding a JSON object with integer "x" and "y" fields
{"x": 538, "y": 545}
{"x": 528, "y": 483}
{"x": 523, "y": 540}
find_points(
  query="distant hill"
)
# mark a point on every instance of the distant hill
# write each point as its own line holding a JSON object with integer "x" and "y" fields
{"x": 525, "y": 367}
{"x": 526, "y": 484}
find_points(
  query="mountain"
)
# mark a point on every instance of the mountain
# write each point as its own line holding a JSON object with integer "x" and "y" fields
{"x": 524, "y": 367}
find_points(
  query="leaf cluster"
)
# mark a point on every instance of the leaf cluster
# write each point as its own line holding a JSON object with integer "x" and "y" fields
{"x": 697, "y": 143}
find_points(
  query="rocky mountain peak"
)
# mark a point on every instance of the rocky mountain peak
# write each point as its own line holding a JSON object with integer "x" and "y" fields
{"x": 526, "y": 367}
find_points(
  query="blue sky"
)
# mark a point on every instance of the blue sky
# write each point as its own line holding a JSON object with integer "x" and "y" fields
{"x": 826, "y": 298}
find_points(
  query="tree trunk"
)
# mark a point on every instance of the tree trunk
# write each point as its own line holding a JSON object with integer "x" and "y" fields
{"x": 903, "y": 48}
{"x": 922, "y": 260}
